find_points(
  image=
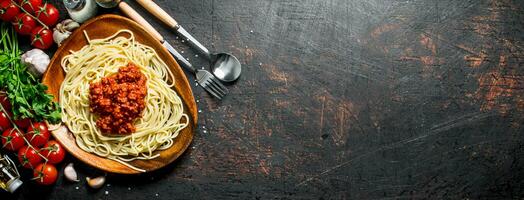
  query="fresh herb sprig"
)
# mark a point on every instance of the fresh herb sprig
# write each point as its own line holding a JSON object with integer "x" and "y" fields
{"x": 26, "y": 94}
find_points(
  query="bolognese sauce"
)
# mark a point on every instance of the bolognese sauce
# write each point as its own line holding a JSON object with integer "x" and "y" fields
{"x": 118, "y": 100}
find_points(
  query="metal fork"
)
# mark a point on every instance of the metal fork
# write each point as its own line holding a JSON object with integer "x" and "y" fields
{"x": 203, "y": 77}
{"x": 209, "y": 82}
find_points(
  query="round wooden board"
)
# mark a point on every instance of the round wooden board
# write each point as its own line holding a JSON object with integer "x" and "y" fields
{"x": 101, "y": 27}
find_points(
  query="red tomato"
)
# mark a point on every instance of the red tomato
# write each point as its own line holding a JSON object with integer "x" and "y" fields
{"x": 8, "y": 10}
{"x": 41, "y": 38}
{"x": 29, "y": 157}
{"x": 53, "y": 151}
{"x": 30, "y": 5}
{"x": 23, "y": 123}
{"x": 4, "y": 121}
{"x": 37, "y": 134}
{"x": 13, "y": 139}
{"x": 45, "y": 174}
{"x": 4, "y": 101}
{"x": 24, "y": 24}
{"x": 48, "y": 14}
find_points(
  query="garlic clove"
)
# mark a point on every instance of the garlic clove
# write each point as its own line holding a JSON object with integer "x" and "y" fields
{"x": 70, "y": 26}
{"x": 67, "y": 21}
{"x": 70, "y": 173}
{"x": 59, "y": 27}
{"x": 59, "y": 36}
{"x": 63, "y": 30}
{"x": 97, "y": 182}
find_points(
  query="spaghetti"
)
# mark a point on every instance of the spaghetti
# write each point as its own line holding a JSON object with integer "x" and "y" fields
{"x": 161, "y": 120}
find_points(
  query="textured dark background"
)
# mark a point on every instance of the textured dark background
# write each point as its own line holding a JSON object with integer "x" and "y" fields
{"x": 345, "y": 99}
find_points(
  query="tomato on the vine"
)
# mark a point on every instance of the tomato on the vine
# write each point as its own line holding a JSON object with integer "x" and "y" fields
{"x": 28, "y": 157}
{"x": 37, "y": 134}
{"x": 45, "y": 174}
{"x": 30, "y": 5}
{"x": 41, "y": 38}
{"x": 53, "y": 151}
{"x": 4, "y": 101}
{"x": 12, "y": 139}
{"x": 5, "y": 123}
{"x": 48, "y": 14}
{"x": 8, "y": 10}
{"x": 23, "y": 123}
{"x": 23, "y": 24}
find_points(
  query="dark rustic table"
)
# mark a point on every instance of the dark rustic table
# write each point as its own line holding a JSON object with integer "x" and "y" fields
{"x": 345, "y": 99}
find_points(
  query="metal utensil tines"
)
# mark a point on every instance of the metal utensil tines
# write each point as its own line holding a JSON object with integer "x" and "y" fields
{"x": 203, "y": 77}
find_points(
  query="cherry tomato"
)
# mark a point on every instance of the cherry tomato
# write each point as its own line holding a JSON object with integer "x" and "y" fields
{"x": 48, "y": 14}
{"x": 6, "y": 107}
{"x": 37, "y": 134}
{"x": 53, "y": 151}
{"x": 30, "y": 5}
{"x": 4, "y": 101}
{"x": 8, "y": 10}
{"x": 23, "y": 123}
{"x": 45, "y": 174}
{"x": 41, "y": 38}
{"x": 4, "y": 121}
{"x": 28, "y": 157}
{"x": 13, "y": 139}
{"x": 23, "y": 24}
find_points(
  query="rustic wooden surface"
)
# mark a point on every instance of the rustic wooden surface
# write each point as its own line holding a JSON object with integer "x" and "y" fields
{"x": 346, "y": 99}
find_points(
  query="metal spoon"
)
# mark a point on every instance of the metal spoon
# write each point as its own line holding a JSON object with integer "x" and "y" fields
{"x": 224, "y": 66}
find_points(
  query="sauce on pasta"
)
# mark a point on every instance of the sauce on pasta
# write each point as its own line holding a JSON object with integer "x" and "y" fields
{"x": 118, "y": 100}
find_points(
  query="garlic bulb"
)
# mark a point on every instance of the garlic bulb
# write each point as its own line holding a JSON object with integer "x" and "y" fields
{"x": 36, "y": 61}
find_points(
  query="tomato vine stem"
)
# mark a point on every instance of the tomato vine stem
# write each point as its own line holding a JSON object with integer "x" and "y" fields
{"x": 30, "y": 15}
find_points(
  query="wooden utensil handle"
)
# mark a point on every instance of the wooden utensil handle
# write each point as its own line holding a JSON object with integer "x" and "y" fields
{"x": 131, "y": 13}
{"x": 158, "y": 12}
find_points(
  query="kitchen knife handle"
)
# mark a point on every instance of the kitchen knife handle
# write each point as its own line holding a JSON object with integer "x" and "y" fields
{"x": 158, "y": 12}
{"x": 131, "y": 13}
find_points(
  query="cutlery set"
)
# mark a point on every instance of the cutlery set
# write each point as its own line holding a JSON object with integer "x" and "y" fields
{"x": 225, "y": 67}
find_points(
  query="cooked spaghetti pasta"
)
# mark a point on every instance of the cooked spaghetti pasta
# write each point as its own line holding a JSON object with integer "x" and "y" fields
{"x": 161, "y": 120}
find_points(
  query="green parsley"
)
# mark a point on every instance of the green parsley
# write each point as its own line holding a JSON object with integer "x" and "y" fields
{"x": 25, "y": 92}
